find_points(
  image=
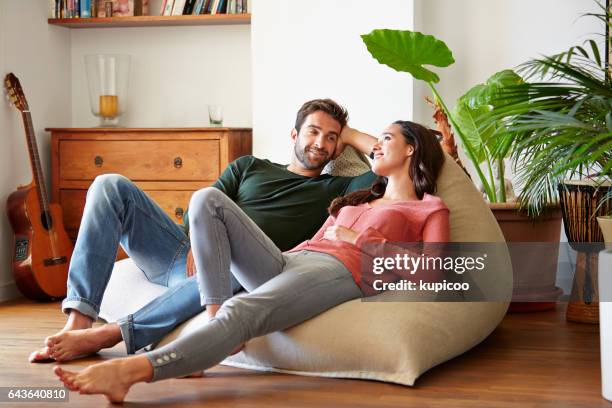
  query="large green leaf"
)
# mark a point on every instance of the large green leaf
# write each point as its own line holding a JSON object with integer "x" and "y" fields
{"x": 474, "y": 108}
{"x": 408, "y": 51}
{"x": 491, "y": 92}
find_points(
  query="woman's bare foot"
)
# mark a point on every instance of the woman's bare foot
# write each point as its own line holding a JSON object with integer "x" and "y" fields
{"x": 77, "y": 343}
{"x": 76, "y": 321}
{"x": 111, "y": 378}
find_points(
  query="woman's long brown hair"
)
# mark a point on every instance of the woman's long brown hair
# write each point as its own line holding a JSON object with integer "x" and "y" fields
{"x": 425, "y": 165}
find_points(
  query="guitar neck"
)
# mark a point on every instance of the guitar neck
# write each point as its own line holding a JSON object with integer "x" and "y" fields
{"x": 37, "y": 173}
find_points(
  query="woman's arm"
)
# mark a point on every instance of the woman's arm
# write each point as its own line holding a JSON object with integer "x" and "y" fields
{"x": 328, "y": 223}
{"x": 436, "y": 232}
{"x": 437, "y": 227}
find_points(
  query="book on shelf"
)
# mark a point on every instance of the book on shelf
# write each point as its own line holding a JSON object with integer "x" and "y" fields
{"x": 206, "y": 7}
{"x": 122, "y": 8}
{"x": 197, "y": 8}
{"x": 179, "y": 6}
{"x": 188, "y": 7}
{"x": 96, "y": 8}
{"x": 168, "y": 9}
{"x": 214, "y": 4}
{"x": 85, "y": 8}
{"x": 222, "y": 7}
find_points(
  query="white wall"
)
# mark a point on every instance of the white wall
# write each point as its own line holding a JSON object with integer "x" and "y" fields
{"x": 176, "y": 72}
{"x": 313, "y": 49}
{"x": 296, "y": 50}
{"x": 487, "y": 36}
{"x": 39, "y": 55}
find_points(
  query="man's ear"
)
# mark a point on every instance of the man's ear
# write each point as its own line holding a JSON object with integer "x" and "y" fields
{"x": 294, "y": 135}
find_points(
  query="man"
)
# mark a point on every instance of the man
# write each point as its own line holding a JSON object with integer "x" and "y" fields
{"x": 287, "y": 202}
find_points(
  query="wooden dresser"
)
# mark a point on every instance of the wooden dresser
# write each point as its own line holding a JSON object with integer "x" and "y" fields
{"x": 169, "y": 164}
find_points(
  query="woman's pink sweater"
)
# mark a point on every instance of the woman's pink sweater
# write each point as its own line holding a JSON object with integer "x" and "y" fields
{"x": 423, "y": 220}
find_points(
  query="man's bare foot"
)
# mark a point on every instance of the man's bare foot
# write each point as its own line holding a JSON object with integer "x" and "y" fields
{"x": 77, "y": 343}
{"x": 111, "y": 378}
{"x": 76, "y": 321}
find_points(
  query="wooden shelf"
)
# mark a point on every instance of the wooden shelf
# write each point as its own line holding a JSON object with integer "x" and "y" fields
{"x": 152, "y": 21}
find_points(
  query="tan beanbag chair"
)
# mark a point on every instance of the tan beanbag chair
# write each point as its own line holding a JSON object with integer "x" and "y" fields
{"x": 391, "y": 341}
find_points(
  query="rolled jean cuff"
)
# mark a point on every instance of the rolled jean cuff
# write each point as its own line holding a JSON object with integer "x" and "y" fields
{"x": 164, "y": 361}
{"x": 81, "y": 305}
{"x": 126, "y": 325}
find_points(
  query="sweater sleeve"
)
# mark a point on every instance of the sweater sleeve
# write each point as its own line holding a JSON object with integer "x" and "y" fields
{"x": 328, "y": 223}
{"x": 437, "y": 228}
{"x": 371, "y": 242}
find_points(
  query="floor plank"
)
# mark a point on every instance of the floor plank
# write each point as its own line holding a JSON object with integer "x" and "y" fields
{"x": 531, "y": 360}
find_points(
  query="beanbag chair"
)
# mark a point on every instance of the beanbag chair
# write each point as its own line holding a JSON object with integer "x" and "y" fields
{"x": 385, "y": 340}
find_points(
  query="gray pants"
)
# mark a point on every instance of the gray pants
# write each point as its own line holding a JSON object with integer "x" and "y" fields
{"x": 284, "y": 289}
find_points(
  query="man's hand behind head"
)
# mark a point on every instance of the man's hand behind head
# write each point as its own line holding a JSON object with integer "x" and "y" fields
{"x": 343, "y": 141}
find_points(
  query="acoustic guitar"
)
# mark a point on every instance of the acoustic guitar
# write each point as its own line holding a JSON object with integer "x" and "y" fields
{"x": 42, "y": 248}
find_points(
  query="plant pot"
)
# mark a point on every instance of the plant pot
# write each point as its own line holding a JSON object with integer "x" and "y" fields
{"x": 532, "y": 292}
{"x": 579, "y": 205}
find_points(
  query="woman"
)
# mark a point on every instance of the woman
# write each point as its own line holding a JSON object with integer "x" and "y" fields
{"x": 286, "y": 289}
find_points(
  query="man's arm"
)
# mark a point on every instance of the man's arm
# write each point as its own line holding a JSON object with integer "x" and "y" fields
{"x": 353, "y": 137}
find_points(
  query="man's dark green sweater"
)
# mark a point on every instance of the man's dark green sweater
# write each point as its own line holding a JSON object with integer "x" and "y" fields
{"x": 288, "y": 207}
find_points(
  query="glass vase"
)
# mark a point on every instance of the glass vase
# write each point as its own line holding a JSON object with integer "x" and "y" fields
{"x": 108, "y": 77}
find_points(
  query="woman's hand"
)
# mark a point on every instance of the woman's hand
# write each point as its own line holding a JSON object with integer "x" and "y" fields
{"x": 190, "y": 268}
{"x": 340, "y": 233}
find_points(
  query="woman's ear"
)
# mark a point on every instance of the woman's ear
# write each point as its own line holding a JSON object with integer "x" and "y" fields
{"x": 409, "y": 150}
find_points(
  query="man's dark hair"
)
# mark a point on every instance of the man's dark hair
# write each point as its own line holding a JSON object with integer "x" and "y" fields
{"x": 325, "y": 105}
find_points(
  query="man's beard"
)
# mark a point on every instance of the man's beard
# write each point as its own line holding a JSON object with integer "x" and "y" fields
{"x": 302, "y": 156}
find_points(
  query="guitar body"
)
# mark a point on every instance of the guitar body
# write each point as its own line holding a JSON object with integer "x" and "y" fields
{"x": 41, "y": 252}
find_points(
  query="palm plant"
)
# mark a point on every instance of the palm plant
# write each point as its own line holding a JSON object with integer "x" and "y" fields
{"x": 561, "y": 126}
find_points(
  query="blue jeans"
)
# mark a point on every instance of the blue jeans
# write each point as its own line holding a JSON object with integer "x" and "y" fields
{"x": 117, "y": 212}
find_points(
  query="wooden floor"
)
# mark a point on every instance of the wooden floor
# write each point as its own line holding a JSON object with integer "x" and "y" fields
{"x": 531, "y": 360}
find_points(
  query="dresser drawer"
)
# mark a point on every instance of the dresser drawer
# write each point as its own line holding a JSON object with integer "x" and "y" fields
{"x": 158, "y": 160}
{"x": 174, "y": 203}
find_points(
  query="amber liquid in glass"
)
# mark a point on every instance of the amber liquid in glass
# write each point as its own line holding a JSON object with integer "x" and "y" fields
{"x": 109, "y": 106}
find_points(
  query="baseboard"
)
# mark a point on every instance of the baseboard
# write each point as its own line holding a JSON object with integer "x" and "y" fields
{"x": 9, "y": 291}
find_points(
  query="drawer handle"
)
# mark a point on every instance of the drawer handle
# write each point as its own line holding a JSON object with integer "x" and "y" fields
{"x": 178, "y": 162}
{"x": 179, "y": 212}
{"x": 98, "y": 161}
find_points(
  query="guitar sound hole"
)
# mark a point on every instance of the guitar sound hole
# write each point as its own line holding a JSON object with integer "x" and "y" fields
{"x": 46, "y": 220}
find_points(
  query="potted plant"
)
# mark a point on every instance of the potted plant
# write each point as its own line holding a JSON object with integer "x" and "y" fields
{"x": 408, "y": 51}
{"x": 491, "y": 140}
{"x": 561, "y": 129}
